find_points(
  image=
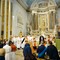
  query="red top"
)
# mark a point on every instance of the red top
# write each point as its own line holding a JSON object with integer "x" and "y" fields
{"x": 13, "y": 47}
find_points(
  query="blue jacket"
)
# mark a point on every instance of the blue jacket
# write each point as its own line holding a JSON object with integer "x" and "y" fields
{"x": 41, "y": 51}
{"x": 27, "y": 50}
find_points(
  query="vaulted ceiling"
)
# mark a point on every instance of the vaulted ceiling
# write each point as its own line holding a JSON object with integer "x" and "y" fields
{"x": 29, "y": 2}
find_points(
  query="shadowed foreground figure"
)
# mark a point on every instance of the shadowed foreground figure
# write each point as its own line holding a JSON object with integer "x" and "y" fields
{"x": 52, "y": 52}
{"x": 2, "y": 52}
{"x": 7, "y": 51}
{"x": 28, "y": 53}
{"x": 41, "y": 51}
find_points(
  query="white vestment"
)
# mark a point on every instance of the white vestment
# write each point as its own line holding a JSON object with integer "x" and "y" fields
{"x": 13, "y": 55}
{"x": 18, "y": 42}
{"x": 22, "y": 44}
{"x": 7, "y": 52}
{"x": 14, "y": 39}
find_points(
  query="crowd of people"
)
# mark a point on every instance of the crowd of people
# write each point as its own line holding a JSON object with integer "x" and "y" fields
{"x": 34, "y": 48}
{"x": 45, "y": 49}
{"x": 7, "y": 50}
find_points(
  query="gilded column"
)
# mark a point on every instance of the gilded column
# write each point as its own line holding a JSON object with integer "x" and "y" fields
{"x": 54, "y": 16}
{"x": 5, "y": 18}
{"x": 0, "y": 18}
{"x": 9, "y": 18}
{"x": 50, "y": 20}
{"x": 36, "y": 21}
{"x": 47, "y": 21}
{"x": 2, "y": 13}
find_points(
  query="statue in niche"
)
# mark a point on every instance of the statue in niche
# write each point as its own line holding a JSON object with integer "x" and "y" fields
{"x": 43, "y": 25}
{"x": 28, "y": 29}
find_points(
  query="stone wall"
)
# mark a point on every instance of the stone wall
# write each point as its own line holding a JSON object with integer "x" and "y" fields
{"x": 19, "y": 18}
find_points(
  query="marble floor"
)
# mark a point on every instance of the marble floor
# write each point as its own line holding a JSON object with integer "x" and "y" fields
{"x": 19, "y": 55}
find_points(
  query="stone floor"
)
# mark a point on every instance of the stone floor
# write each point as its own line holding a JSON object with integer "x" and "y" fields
{"x": 19, "y": 55}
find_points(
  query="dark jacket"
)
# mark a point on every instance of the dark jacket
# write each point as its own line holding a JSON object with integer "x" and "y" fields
{"x": 2, "y": 52}
{"x": 52, "y": 52}
{"x": 27, "y": 52}
{"x": 40, "y": 50}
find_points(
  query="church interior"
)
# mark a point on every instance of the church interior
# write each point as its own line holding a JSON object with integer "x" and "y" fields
{"x": 34, "y": 17}
{"x": 30, "y": 17}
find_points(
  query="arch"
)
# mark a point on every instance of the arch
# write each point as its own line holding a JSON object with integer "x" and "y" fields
{"x": 43, "y": 3}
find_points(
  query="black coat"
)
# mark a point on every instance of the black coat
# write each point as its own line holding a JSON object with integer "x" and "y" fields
{"x": 2, "y": 58}
{"x": 52, "y": 52}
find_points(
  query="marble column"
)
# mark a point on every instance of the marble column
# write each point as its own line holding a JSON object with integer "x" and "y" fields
{"x": 47, "y": 21}
{"x": 35, "y": 21}
{"x": 50, "y": 20}
{"x": 54, "y": 18}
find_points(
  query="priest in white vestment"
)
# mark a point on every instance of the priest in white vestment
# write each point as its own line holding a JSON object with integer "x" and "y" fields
{"x": 22, "y": 42}
{"x": 18, "y": 42}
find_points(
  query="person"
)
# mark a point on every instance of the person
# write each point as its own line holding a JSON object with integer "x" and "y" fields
{"x": 41, "y": 50}
{"x": 34, "y": 44}
{"x": 2, "y": 52}
{"x": 22, "y": 44}
{"x": 14, "y": 39}
{"x": 7, "y": 51}
{"x": 52, "y": 52}
{"x": 4, "y": 42}
{"x": 18, "y": 42}
{"x": 53, "y": 41}
{"x": 27, "y": 52}
{"x": 41, "y": 39}
{"x": 13, "y": 49}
